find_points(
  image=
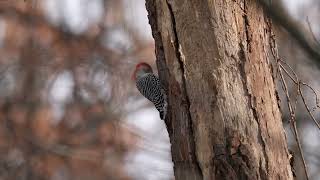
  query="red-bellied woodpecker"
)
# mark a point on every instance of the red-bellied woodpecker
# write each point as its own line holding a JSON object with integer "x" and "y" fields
{"x": 150, "y": 87}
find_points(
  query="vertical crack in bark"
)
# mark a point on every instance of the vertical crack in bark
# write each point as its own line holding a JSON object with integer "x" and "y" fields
{"x": 159, "y": 52}
{"x": 153, "y": 21}
{"x": 243, "y": 57}
{"x": 246, "y": 25}
{"x": 178, "y": 55}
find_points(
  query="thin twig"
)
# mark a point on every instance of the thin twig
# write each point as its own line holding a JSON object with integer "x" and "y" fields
{"x": 291, "y": 69}
{"x": 314, "y": 92}
{"x": 292, "y": 110}
{"x": 294, "y": 123}
{"x": 289, "y": 75}
{"x": 308, "y": 109}
{"x": 310, "y": 29}
{"x": 298, "y": 82}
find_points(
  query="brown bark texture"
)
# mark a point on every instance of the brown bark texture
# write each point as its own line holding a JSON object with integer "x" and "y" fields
{"x": 213, "y": 57}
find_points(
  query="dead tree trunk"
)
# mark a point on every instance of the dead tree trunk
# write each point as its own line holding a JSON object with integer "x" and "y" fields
{"x": 224, "y": 120}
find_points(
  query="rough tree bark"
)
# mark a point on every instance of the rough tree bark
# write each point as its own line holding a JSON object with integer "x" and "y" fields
{"x": 224, "y": 120}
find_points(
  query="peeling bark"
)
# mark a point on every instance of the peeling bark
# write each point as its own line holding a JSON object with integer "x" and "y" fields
{"x": 223, "y": 118}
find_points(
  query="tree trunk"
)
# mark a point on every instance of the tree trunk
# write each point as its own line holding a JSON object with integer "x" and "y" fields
{"x": 223, "y": 118}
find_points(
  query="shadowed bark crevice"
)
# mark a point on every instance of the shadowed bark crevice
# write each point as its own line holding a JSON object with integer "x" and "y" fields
{"x": 243, "y": 57}
{"x": 179, "y": 56}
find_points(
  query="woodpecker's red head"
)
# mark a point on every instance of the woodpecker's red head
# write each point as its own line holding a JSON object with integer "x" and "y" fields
{"x": 141, "y": 69}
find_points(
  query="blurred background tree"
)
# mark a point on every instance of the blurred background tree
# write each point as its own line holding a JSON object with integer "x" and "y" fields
{"x": 68, "y": 108}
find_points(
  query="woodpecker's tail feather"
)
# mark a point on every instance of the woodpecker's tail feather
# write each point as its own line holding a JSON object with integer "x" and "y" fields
{"x": 161, "y": 115}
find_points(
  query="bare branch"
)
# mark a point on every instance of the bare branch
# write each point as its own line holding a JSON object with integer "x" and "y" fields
{"x": 290, "y": 107}
{"x": 280, "y": 15}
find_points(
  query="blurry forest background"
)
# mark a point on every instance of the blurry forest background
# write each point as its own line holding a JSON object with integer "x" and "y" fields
{"x": 68, "y": 106}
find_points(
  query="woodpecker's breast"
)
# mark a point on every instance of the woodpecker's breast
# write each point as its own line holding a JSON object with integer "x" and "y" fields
{"x": 150, "y": 87}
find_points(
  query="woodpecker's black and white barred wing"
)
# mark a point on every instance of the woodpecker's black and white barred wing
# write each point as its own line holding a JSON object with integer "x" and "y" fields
{"x": 150, "y": 87}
